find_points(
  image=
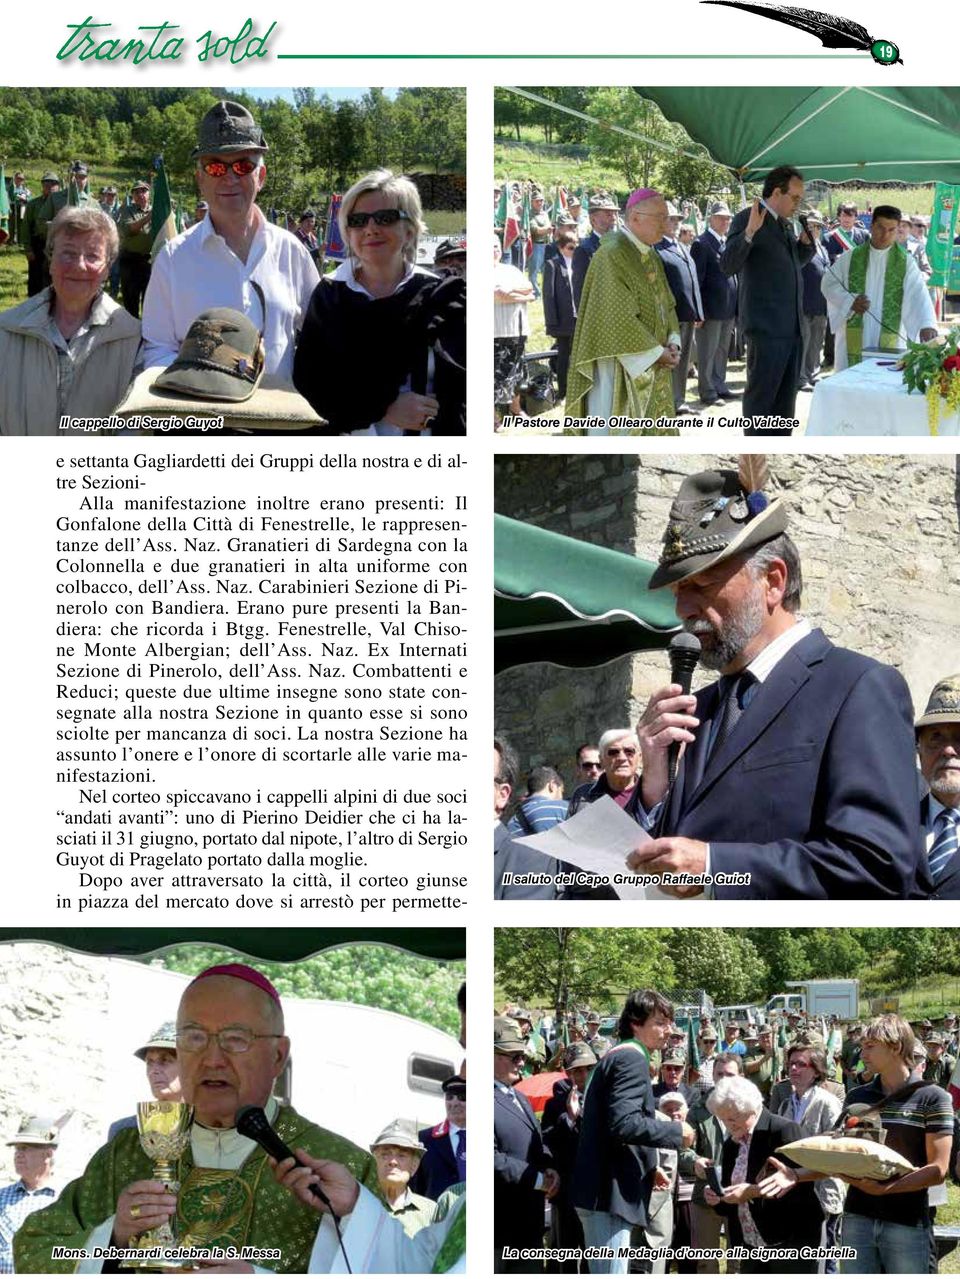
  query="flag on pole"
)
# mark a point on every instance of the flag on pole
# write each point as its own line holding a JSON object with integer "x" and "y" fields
{"x": 333, "y": 246}
{"x": 512, "y": 214}
{"x": 525, "y": 233}
{"x": 693, "y": 1052}
{"x": 163, "y": 227}
{"x": 4, "y": 207}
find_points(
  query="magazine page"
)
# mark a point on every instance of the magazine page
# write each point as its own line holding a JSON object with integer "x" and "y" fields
{"x": 253, "y": 503}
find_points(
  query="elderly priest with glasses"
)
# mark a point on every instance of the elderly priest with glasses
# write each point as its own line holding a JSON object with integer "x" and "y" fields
{"x": 231, "y": 1047}
{"x": 233, "y": 257}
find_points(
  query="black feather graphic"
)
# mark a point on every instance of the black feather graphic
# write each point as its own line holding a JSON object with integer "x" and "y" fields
{"x": 834, "y": 32}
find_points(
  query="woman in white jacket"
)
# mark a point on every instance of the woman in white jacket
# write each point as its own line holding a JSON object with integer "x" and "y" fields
{"x": 70, "y": 351}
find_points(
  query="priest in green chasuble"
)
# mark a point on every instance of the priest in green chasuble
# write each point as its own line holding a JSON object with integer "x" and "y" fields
{"x": 230, "y": 1049}
{"x": 877, "y": 299}
{"x": 627, "y": 340}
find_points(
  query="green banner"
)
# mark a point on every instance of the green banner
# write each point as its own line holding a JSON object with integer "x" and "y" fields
{"x": 943, "y": 230}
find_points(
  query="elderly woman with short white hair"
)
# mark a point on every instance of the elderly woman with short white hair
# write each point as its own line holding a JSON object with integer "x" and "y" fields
{"x": 753, "y": 1136}
{"x": 383, "y": 347}
{"x": 69, "y": 351}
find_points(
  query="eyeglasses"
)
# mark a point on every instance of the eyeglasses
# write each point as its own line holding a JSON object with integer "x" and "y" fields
{"x": 590, "y": 763}
{"x": 95, "y": 260}
{"x": 232, "y": 1039}
{"x": 382, "y": 217}
{"x": 614, "y": 752}
{"x": 242, "y": 167}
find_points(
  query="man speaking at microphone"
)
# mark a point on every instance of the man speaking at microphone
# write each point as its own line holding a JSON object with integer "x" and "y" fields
{"x": 797, "y": 768}
{"x": 230, "y": 1050}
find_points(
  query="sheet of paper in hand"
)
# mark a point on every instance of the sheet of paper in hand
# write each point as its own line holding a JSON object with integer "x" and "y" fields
{"x": 597, "y": 840}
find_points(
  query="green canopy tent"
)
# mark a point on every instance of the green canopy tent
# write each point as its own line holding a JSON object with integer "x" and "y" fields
{"x": 281, "y": 945}
{"x": 831, "y": 134}
{"x": 560, "y": 600}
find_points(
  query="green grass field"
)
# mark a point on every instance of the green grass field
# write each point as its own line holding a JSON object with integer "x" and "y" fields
{"x": 548, "y": 165}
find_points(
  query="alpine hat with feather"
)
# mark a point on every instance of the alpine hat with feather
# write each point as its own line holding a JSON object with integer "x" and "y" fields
{"x": 716, "y": 515}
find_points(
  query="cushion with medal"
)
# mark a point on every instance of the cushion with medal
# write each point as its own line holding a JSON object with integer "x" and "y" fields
{"x": 847, "y": 1157}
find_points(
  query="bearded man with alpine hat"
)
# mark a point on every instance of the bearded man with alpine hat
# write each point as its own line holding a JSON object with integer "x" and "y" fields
{"x": 876, "y": 295}
{"x": 938, "y": 746}
{"x": 230, "y": 1049}
{"x": 797, "y": 767}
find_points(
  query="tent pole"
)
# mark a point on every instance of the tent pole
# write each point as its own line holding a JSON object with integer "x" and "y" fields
{"x": 743, "y": 195}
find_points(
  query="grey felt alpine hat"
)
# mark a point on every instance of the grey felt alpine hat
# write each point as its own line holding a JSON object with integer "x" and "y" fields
{"x": 716, "y": 515}
{"x": 228, "y": 127}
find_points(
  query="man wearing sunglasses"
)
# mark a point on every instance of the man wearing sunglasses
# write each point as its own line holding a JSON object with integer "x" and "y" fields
{"x": 217, "y": 262}
{"x": 230, "y": 1050}
{"x": 620, "y": 760}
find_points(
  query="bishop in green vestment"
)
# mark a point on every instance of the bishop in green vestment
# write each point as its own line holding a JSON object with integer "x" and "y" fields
{"x": 230, "y": 1049}
{"x": 627, "y": 338}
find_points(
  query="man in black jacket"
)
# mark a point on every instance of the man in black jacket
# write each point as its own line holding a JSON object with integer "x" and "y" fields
{"x": 620, "y": 1134}
{"x": 938, "y": 746}
{"x": 763, "y": 250}
{"x": 718, "y": 292}
{"x": 523, "y": 1174}
{"x": 561, "y": 1121}
{"x": 681, "y": 272}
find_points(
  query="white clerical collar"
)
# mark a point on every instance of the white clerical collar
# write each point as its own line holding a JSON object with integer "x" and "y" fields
{"x": 225, "y": 1148}
{"x": 644, "y": 248}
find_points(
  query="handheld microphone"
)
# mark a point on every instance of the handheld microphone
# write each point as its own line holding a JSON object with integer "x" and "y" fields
{"x": 250, "y": 1121}
{"x": 684, "y": 654}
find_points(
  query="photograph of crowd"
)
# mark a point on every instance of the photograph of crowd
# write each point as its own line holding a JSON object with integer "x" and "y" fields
{"x": 765, "y": 1101}
{"x": 154, "y": 1079}
{"x": 772, "y": 260}
{"x": 731, "y": 677}
{"x": 249, "y": 265}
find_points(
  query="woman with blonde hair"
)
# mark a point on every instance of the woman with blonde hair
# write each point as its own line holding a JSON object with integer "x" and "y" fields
{"x": 69, "y": 351}
{"x": 383, "y": 347}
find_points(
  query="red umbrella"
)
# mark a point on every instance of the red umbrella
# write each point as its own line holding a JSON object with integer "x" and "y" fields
{"x": 538, "y": 1089}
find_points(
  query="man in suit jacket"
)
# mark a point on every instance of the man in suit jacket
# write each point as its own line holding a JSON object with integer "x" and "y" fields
{"x": 445, "y": 1145}
{"x": 681, "y": 273}
{"x": 522, "y": 1171}
{"x": 754, "y": 1135}
{"x": 847, "y": 234}
{"x": 620, "y": 1135}
{"x": 798, "y": 769}
{"x": 938, "y": 745}
{"x": 604, "y": 212}
{"x": 763, "y": 250}
{"x": 718, "y": 293}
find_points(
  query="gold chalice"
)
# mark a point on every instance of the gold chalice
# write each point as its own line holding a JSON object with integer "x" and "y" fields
{"x": 164, "y": 1128}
